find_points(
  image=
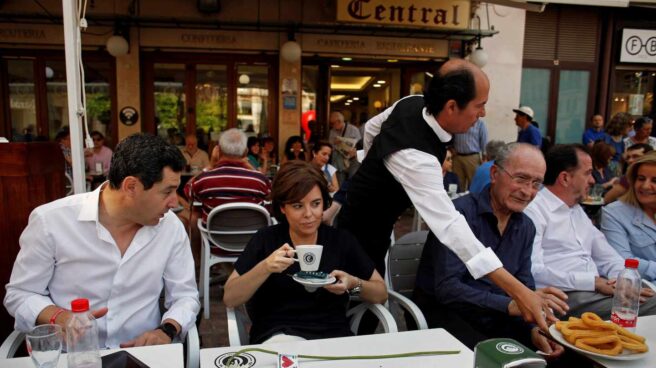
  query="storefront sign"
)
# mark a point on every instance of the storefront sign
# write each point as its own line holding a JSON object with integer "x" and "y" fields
{"x": 638, "y": 46}
{"x": 46, "y": 34}
{"x": 383, "y": 46}
{"x": 208, "y": 39}
{"x": 447, "y": 14}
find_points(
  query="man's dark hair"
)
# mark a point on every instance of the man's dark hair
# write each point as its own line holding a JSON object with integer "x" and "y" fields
{"x": 144, "y": 156}
{"x": 62, "y": 133}
{"x": 562, "y": 157}
{"x": 458, "y": 84}
{"x": 642, "y": 121}
{"x": 645, "y": 147}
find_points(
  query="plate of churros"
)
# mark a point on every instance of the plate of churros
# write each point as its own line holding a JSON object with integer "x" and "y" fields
{"x": 593, "y": 336}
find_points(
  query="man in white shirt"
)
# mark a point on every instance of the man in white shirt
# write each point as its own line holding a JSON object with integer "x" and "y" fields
{"x": 569, "y": 252}
{"x": 404, "y": 146}
{"x": 118, "y": 247}
{"x": 344, "y": 161}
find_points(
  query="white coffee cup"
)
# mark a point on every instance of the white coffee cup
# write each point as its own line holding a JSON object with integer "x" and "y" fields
{"x": 309, "y": 256}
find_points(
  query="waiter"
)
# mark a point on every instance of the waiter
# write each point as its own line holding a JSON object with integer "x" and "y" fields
{"x": 404, "y": 146}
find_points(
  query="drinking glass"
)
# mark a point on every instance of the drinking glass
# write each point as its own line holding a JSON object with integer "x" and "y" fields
{"x": 44, "y": 343}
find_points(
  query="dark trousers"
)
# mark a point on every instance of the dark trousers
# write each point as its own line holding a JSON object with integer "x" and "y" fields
{"x": 472, "y": 324}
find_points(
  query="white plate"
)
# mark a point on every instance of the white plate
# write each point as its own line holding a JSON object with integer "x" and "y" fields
{"x": 625, "y": 355}
{"x": 314, "y": 282}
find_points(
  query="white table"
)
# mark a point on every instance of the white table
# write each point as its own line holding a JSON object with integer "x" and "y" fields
{"x": 391, "y": 343}
{"x": 156, "y": 356}
{"x": 647, "y": 328}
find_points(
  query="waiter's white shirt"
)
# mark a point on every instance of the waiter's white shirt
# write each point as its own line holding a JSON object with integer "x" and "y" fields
{"x": 66, "y": 253}
{"x": 568, "y": 251}
{"x": 420, "y": 174}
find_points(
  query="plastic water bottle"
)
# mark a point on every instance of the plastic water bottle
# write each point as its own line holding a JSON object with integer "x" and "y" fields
{"x": 82, "y": 337}
{"x": 627, "y": 296}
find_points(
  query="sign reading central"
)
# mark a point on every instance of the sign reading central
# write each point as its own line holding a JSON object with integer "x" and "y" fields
{"x": 451, "y": 14}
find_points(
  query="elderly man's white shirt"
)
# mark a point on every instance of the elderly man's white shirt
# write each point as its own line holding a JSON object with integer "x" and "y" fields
{"x": 66, "y": 253}
{"x": 568, "y": 251}
{"x": 420, "y": 174}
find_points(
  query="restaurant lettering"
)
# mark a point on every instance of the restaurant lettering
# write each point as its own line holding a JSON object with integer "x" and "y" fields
{"x": 27, "y": 33}
{"x": 207, "y": 38}
{"x": 421, "y": 13}
{"x": 405, "y": 47}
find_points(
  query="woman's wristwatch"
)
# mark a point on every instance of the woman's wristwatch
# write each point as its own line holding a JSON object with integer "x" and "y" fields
{"x": 357, "y": 289}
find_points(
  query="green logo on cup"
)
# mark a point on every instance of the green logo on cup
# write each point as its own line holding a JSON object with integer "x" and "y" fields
{"x": 509, "y": 348}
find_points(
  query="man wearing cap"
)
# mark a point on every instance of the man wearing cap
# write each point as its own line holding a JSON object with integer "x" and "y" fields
{"x": 528, "y": 133}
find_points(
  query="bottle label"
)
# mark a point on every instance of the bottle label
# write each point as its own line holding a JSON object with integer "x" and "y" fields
{"x": 627, "y": 322}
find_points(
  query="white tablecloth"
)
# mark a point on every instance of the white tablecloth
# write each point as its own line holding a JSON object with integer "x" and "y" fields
{"x": 392, "y": 343}
{"x": 156, "y": 356}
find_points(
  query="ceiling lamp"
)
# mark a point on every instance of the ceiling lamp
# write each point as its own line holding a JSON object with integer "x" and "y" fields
{"x": 117, "y": 45}
{"x": 291, "y": 50}
{"x": 244, "y": 79}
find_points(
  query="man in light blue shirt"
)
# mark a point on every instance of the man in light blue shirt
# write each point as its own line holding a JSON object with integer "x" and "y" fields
{"x": 482, "y": 174}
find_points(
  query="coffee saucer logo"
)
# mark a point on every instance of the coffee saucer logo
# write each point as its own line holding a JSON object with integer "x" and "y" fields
{"x": 509, "y": 348}
{"x": 243, "y": 360}
{"x": 308, "y": 258}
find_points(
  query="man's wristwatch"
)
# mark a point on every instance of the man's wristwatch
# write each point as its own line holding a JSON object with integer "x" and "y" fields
{"x": 357, "y": 289}
{"x": 169, "y": 329}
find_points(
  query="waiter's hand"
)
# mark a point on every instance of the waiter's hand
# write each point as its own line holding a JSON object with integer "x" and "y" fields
{"x": 530, "y": 304}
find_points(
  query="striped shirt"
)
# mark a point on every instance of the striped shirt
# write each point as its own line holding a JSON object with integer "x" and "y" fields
{"x": 228, "y": 182}
{"x": 473, "y": 141}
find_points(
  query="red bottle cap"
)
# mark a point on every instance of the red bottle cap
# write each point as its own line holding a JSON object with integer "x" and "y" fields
{"x": 82, "y": 305}
{"x": 631, "y": 263}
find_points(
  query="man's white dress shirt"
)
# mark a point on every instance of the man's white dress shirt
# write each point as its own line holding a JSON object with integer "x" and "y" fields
{"x": 420, "y": 174}
{"x": 568, "y": 251}
{"x": 66, "y": 253}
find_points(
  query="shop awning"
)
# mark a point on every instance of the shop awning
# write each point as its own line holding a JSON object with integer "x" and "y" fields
{"x": 538, "y": 5}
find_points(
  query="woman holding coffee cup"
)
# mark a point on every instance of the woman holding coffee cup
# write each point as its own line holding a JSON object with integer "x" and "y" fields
{"x": 278, "y": 305}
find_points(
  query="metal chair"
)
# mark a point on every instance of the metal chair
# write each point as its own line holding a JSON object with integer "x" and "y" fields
{"x": 238, "y": 319}
{"x": 402, "y": 263}
{"x": 229, "y": 228}
{"x": 192, "y": 342}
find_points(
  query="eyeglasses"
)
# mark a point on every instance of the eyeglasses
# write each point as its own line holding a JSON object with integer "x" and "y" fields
{"x": 522, "y": 180}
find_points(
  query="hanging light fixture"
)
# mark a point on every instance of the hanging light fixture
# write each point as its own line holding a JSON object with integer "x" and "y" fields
{"x": 291, "y": 50}
{"x": 118, "y": 44}
{"x": 479, "y": 57}
{"x": 244, "y": 79}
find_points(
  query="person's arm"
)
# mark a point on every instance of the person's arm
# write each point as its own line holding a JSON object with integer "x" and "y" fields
{"x": 550, "y": 275}
{"x": 372, "y": 290}
{"x": 536, "y": 137}
{"x": 618, "y": 236}
{"x": 240, "y": 288}
{"x": 609, "y": 262}
{"x": 615, "y": 192}
{"x": 27, "y": 291}
{"x": 420, "y": 174}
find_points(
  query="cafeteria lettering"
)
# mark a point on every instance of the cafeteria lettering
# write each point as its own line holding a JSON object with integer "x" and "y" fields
{"x": 207, "y": 38}
{"x": 35, "y": 34}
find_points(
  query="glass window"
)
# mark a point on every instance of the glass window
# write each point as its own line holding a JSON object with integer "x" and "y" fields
{"x": 22, "y": 101}
{"x": 57, "y": 97}
{"x": 169, "y": 87}
{"x": 211, "y": 99}
{"x": 634, "y": 92}
{"x": 99, "y": 101}
{"x": 535, "y": 93}
{"x": 309, "y": 102}
{"x": 253, "y": 99}
{"x": 572, "y": 105}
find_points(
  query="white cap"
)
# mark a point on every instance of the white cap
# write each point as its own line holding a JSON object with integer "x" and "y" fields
{"x": 525, "y": 110}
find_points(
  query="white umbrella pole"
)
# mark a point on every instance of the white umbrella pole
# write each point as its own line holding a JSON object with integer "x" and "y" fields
{"x": 73, "y": 85}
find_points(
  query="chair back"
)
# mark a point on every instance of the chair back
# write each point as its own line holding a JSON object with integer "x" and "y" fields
{"x": 403, "y": 261}
{"x": 230, "y": 226}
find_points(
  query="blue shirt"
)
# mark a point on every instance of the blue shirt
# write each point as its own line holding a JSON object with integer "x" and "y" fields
{"x": 530, "y": 135}
{"x": 619, "y": 147}
{"x": 481, "y": 177}
{"x": 472, "y": 141}
{"x": 632, "y": 234}
{"x": 442, "y": 274}
{"x": 591, "y": 135}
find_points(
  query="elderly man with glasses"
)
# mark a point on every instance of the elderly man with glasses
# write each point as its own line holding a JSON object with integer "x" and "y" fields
{"x": 471, "y": 309}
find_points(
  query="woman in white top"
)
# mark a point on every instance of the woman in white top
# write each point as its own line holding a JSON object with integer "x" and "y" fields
{"x": 320, "y": 157}
{"x": 642, "y": 127}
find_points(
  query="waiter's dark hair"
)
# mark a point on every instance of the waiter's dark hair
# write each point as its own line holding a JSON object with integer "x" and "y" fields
{"x": 562, "y": 157}
{"x": 144, "y": 156}
{"x": 457, "y": 84}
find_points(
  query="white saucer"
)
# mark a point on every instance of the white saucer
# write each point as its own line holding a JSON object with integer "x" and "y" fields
{"x": 311, "y": 284}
